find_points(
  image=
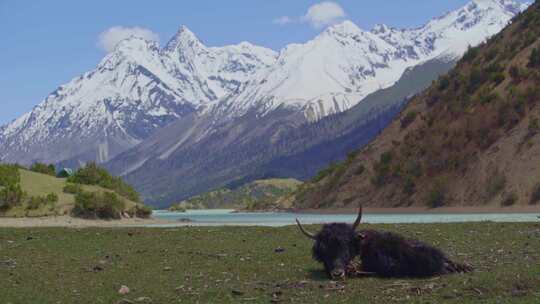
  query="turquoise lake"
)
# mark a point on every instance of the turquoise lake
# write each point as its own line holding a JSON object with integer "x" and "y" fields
{"x": 229, "y": 218}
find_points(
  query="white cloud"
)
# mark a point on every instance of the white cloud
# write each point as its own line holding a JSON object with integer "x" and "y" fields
{"x": 324, "y": 14}
{"x": 110, "y": 38}
{"x": 283, "y": 20}
{"x": 318, "y": 15}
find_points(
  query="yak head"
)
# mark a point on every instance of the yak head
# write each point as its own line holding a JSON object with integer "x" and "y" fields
{"x": 335, "y": 245}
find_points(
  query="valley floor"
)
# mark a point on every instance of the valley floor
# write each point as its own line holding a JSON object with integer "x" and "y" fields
{"x": 241, "y": 265}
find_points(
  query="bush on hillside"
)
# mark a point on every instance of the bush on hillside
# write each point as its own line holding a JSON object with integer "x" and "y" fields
{"x": 510, "y": 200}
{"x": 72, "y": 188}
{"x": 495, "y": 184}
{"x": 437, "y": 195}
{"x": 408, "y": 119}
{"x": 534, "y": 59}
{"x": 10, "y": 196}
{"x": 98, "y": 205}
{"x": 92, "y": 174}
{"x": 471, "y": 54}
{"x": 535, "y": 197}
{"x": 36, "y": 202}
{"x": 140, "y": 211}
{"x": 9, "y": 175}
{"x": 382, "y": 169}
{"x": 43, "y": 169}
{"x": 11, "y": 193}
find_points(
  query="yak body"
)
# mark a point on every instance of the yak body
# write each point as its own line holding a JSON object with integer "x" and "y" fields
{"x": 382, "y": 253}
{"x": 390, "y": 255}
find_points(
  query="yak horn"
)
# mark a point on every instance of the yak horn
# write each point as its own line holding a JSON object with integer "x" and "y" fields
{"x": 308, "y": 234}
{"x": 358, "y": 219}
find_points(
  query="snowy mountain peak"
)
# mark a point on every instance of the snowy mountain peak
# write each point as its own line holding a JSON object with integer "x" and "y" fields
{"x": 380, "y": 29}
{"x": 507, "y": 5}
{"x": 345, "y": 27}
{"x": 183, "y": 38}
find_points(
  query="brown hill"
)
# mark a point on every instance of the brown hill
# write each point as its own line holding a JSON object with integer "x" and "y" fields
{"x": 471, "y": 139}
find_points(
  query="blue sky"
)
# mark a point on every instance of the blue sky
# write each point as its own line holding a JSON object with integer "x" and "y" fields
{"x": 44, "y": 44}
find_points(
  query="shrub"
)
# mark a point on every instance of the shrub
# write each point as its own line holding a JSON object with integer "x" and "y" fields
{"x": 486, "y": 97}
{"x": 497, "y": 78}
{"x": 43, "y": 169}
{"x": 409, "y": 187}
{"x": 141, "y": 211}
{"x": 52, "y": 197}
{"x": 535, "y": 197}
{"x": 413, "y": 168}
{"x": 495, "y": 184}
{"x": 9, "y": 175}
{"x": 35, "y": 202}
{"x": 515, "y": 73}
{"x": 92, "y": 174}
{"x": 382, "y": 169}
{"x": 444, "y": 83}
{"x": 179, "y": 207}
{"x": 10, "y": 196}
{"x": 360, "y": 170}
{"x": 437, "y": 195}
{"x": 72, "y": 188}
{"x": 534, "y": 58}
{"x": 471, "y": 54}
{"x": 476, "y": 79}
{"x": 98, "y": 205}
{"x": 408, "y": 119}
{"x": 510, "y": 200}
{"x": 331, "y": 169}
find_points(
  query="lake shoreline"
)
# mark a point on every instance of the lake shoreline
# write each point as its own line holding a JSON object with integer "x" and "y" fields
{"x": 422, "y": 210}
{"x": 159, "y": 221}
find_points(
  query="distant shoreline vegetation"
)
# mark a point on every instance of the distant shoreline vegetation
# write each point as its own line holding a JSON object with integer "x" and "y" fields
{"x": 267, "y": 194}
{"x": 91, "y": 193}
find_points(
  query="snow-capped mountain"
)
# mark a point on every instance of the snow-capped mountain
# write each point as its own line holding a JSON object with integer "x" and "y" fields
{"x": 140, "y": 87}
{"x": 132, "y": 92}
{"x": 344, "y": 64}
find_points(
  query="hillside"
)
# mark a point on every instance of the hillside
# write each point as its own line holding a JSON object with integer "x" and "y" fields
{"x": 256, "y": 195}
{"x": 471, "y": 139}
{"x": 36, "y": 185}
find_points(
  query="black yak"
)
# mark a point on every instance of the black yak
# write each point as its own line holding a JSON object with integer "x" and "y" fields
{"x": 382, "y": 253}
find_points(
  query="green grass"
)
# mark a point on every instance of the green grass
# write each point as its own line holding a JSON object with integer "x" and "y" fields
{"x": 37, "y": 184}
{"x": 239, "y": 265}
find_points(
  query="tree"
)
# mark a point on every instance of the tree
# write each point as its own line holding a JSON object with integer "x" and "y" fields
{"x": 43, "y": 169}
{"x": 534, "y": 59}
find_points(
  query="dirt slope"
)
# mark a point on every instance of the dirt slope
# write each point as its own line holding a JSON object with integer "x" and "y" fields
{"x": 471, "y": 139}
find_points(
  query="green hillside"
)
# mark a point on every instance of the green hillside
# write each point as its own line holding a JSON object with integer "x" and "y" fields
{"x": 46, "y": 195}
{"x": 257, "y": 195}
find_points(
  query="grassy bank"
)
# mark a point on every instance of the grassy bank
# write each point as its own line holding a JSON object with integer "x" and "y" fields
{"x": 240, "y": 265}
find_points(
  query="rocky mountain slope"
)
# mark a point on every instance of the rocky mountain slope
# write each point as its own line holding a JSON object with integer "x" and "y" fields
{"x": 472, "y": 138}
{"x": 186, "y": 118}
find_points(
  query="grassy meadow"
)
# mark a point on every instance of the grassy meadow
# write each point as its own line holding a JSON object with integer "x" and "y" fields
{"x": 241, "y": 265}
